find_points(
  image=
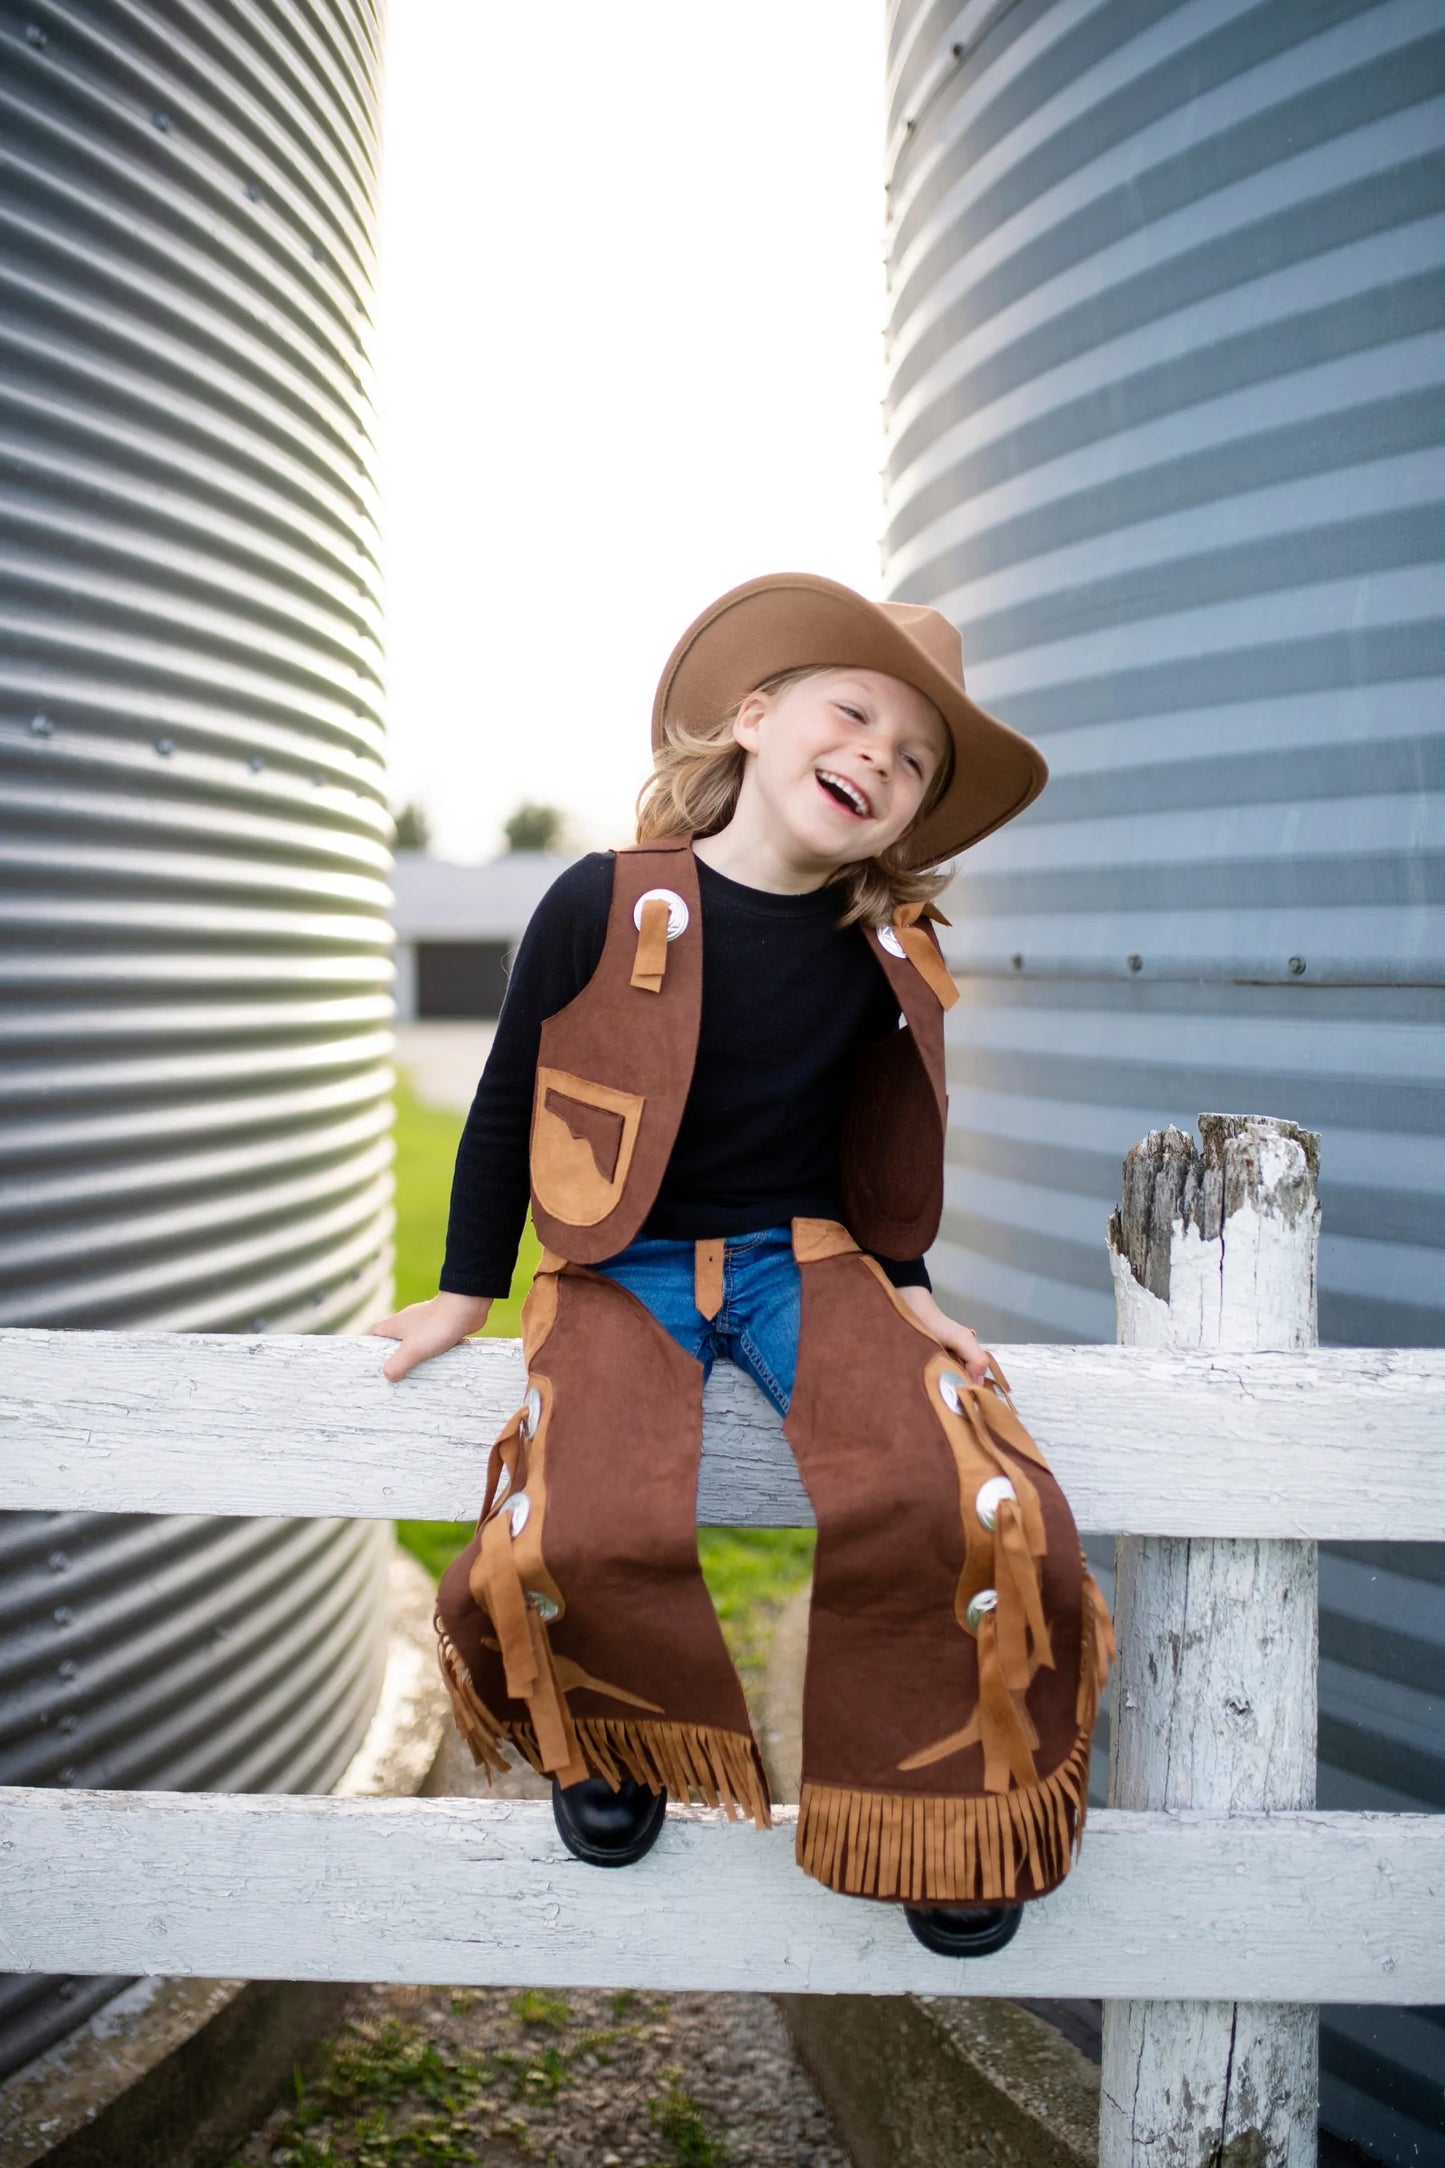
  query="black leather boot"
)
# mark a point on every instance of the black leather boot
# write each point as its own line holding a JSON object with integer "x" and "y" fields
{"x": 607, "y": 1828}
{"x": 964, "y": 1930}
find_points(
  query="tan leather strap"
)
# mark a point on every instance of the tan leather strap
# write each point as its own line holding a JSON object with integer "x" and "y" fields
{"x": 707, "y": 1277}
{"x": 1020, "y": 1606}
{"x": 557, "y": 1741}
{"x": 921, "y": 952}
{"x": 650, "y": 960}
{"x": 496, "y": 1586}
{"x": 1008, "y": 1735}
{"x": 500, "y": 1458}
{"x": 954, "y": 1744}
{"x": 526, "y": 1652}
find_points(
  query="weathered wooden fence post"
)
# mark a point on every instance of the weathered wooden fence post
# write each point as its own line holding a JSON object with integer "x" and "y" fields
{"x": 1214, "y": 1696}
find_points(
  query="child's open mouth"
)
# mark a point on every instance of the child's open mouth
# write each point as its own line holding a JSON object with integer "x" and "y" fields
{"x": 843, "y": 793}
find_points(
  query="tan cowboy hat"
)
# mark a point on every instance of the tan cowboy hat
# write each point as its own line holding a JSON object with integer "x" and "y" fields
{"x": 787, "y": 619}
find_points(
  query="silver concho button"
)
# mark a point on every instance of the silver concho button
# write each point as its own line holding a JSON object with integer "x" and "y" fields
{"x": 888, "y": 939}
{"x": 676, "y": 910}
{"x": 531, "y": 1413}
{"x": 544, "y": 1606}
{"x": 519, "y": 1506}
{"x": 951, "y": 1386}
{"x": 985, "y": 1600}
{"x": 991, "y": 1496}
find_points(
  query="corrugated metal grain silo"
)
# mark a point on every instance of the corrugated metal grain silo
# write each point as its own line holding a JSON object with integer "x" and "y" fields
{"x": 194, "y": 948}
{"x": 1165, "y": 423}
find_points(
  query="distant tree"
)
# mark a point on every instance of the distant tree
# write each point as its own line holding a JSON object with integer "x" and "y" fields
{"x": 413, "y": 829}
{"x": 533, "y": 828}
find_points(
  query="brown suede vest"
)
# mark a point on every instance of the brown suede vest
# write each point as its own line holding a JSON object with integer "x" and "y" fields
{"x": 615, "y": 1065}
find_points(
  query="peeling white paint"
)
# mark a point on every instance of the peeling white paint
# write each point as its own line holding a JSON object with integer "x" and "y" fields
{"x": 1158, "y": 1439}
{"x": 271, "y": 1886}
{"x": 1215, "y": 1694}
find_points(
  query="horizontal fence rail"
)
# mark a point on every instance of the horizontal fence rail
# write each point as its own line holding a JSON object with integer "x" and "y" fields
{"x": 1294, "y": 1907}
{"x": 1315, "y": 1444}
{"x": 1253, "y": 1906}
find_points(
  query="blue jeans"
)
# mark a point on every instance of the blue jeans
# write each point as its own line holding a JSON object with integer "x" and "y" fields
{"x": 757, "y": 1321}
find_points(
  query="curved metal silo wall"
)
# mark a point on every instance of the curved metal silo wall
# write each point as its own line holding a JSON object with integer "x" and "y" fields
{"x": 1166, "y": 333}
{"x": 194, "y": 940}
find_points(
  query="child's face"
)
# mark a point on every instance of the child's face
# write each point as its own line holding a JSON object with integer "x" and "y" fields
{"x": 841, "y": 761}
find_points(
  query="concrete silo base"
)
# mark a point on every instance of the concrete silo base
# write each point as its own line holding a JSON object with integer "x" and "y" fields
{"x": 175, "y": 2073}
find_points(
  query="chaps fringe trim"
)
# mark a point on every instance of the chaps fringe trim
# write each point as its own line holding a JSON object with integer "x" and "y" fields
{"x": 474, "y": 1720}
{"x": 723, "y": 1766}
{"x": 931, "y": 1850}
{"x": 679, "y": 1758}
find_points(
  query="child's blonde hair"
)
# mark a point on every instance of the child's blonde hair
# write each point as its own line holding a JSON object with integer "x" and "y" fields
{"x": 694, "y": 785}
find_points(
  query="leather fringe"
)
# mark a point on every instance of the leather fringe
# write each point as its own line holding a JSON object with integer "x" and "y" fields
{"x": 927, "y": 1849}
{"x": 474, "y": 1720}
{"x": 932, "y": 1850}
{"x": 723, "y": 1766}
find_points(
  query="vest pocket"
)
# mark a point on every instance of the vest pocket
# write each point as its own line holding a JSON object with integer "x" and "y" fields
{"x": 583, "y": 1138}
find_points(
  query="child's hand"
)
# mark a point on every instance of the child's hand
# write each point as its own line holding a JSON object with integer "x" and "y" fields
{"x": 429, "y": 1328}
{"x": 960, "y": 1340}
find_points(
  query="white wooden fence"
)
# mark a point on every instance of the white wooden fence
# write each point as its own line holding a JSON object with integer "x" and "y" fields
{"x": 1247, "y": 1907}
{"x": 1190, "y": 1920}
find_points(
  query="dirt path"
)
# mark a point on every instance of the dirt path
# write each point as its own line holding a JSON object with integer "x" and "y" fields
{"x": 495, "y": 2077}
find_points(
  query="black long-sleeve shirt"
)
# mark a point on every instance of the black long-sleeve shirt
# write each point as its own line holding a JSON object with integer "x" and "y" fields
{"x": 788, "y": 1002}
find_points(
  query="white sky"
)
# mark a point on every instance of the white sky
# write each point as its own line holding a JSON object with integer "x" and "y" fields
{"x": 628, "y": 354}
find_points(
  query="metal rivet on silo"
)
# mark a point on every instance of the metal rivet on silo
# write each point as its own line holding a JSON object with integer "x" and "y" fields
{"x": 162, "y": 121}
{"x": 58, "y": 1561}
{"x": 1017, "y": 962}
{"x": 255, "y": 764}
{"x": 165, "y": 746}
{"x": 253, "y": 192}
{"x": 68, "y": 1775}
{"x": 65, "y": 1991}
{"x": 258, "y": 1324}
{"x": 70, "y": 1669}
{"x": 63, "y": 1615}
{"x": 68, "y": 1723}
{"x": 1136, "y": 963}
{"x": 34, "y": 35}
{"x": 318, "y": 252}
{"x": 1296, "y": 964}
{"x": 318, "y": 782}
{"x": 220, "y": 1633}
{"x": 41, "y": 726}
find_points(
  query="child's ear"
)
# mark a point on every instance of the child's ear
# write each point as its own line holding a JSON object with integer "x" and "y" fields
{"x": 748, "y": 721}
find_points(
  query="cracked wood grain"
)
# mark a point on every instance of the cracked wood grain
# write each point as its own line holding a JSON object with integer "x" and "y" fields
{"x": 1214, "y": 1698}
{"x": 482, "y": 1892}
{"x": 1165, "y": 1440}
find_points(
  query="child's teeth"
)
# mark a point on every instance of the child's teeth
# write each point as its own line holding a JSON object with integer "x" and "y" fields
{"x": 845, "y": 790}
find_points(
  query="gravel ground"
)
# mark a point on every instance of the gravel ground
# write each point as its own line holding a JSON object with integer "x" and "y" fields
{"x": 578, "y": 2078}
{"x": 495, "y": 2077}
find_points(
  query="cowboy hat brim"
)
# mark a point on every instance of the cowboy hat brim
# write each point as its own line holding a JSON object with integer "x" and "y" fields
{"x": 786, "y": 620}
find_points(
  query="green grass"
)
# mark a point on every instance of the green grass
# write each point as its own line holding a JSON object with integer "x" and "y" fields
{"x": 750, "y": 1572}
{"x": 677, "y": 2118}
{"x": 426, "y": 1149}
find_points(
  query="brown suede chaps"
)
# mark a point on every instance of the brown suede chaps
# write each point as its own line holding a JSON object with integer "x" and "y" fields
{"x": 957, "y": 1643}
